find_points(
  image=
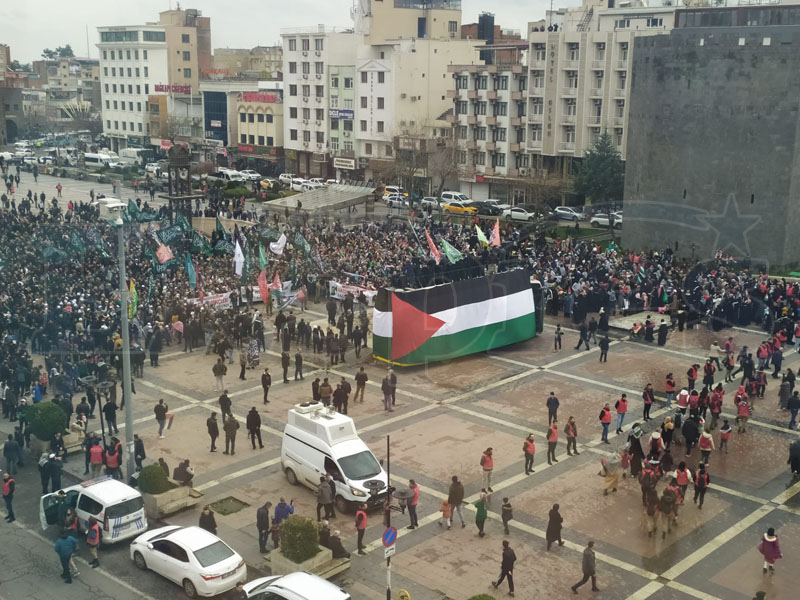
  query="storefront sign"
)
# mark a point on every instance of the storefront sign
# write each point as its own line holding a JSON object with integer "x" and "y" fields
{"x": 248, "y": 149}
{"x": 336, "y": 113}
{"x": 175, "y": 89}
{"x": 344, "y": 163}
{"x": 215, "y": 123}
{"x": 259, "y": 97}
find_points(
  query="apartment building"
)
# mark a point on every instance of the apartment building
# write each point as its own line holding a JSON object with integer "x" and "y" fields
{"x": 260, "y": 127}
{"x": 188, "y": 36}
{"x": 263, "y": 62}
{"x": 133, "y": 64}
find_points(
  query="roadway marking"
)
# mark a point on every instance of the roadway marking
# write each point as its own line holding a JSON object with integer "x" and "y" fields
{"x": 236, "y": 474}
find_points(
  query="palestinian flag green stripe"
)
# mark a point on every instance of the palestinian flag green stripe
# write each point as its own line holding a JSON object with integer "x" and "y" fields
{"x": 467, "y": 341}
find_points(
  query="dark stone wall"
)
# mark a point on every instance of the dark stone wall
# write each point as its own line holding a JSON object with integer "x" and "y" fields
{"x": 713, "y": 137}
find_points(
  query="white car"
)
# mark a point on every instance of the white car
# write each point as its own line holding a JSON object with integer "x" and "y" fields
{"x": 602, "y": 219}
{"x": 396, "y": 201}
{"x": 569, "y": 214}
{"x": 47, "y": 160}
{"x": 312, "y": 185}
{"x": 192, "y": 557}
{"x": 295, "y": 586}
{"x": 498, "y": 204}
{"x": 250, "y": 175}
{"x": 29, "y": 160}
{"x": 318, "y": 180}
{"x": 153, "y": 167}
{"x": 394, "y": 189}
{"x": 429, "y": 201}
{"x": 286, "y": 179}
{"x": 330, "y": 182}
{"x": 518, "y": 213}
{"x": 297, "y": 184}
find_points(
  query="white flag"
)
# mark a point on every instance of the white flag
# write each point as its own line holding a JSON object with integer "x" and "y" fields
{"x": 277, "y": 247}
{"x": 238, "y": 259}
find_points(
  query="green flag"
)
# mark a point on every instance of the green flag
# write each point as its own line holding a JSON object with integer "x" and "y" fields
{"x": 301, "y": 244}
{"x": 170, "y": 235}
{"x": 249, "y": 264}
{"x": 101, "y": 249}
{"x": 293, "y": 270}
{"x": 76, "y": 244}
{"x": 224, "y": 247}
{"x": 267, "y": 235}
{"x": 262, "y": 258}
{"x": 133, "y": 210}
{"x": 190, "y": 272}
{"x": 171, "y": 265}
{"x": 146, "y": 216}
{"x": 221, "y": 233}
{"x": 53, "y": 254}
{"x": 200, "y": 245}
{"x": 481, "y": 236}
{"x": 451, "y": 253}
{"x": 181, "y": 222}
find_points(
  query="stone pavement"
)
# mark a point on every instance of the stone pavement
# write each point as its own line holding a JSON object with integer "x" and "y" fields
{"x": 447, "y": 414}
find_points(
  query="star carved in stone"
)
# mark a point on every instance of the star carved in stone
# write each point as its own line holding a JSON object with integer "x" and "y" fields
{"x": 731, "y": 227}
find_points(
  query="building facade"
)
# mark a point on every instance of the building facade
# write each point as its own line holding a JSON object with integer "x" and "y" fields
{"x": 260, "y": 129}
{"x": 714, "y": 148}
{"x": 261, "y": 62}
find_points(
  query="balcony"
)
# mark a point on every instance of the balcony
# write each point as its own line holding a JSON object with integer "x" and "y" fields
{"x": 569, "y": 91}
{"x": 491, "y": 146}
{"x": 619, "y": 121}
{"x": 567, "y": 118}
{"x": 491, "y": 69}
{"x": 452, "y": 93}
{"x": 512, "y": 173}
{"x": 471, "y": 144}
{"x": 598, "y": 64}
{"x": 535, "y": 117}
{"x": 534, "y": 144}
{"x": 472, "y": 94}
{"x": 489, "y": 171}
{"x": 566, "y": 146}
{"x": 516, "y": 68}
{"x": 344, "y": 153}
{"x": 594, "y": 121}
{"x": 622, "y": 65}
{"x": 537, "y": 91}
{"x": 491, "y": 121}
{"x": 513, "y": 147}
{"x": 516, "y": 121}
{"x": 517, "y": 95}
{"x": 596, "y": 93}
{"x": 619, "y": 92}
{"x": 537, "y": 64}
{"x": 452, "y": 119}
{"x": 570, "y": 64}
{"x": 491, "y": 94}
{"x": 472, "y": 120}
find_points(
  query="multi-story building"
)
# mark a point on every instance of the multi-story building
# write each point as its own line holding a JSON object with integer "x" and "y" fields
{"x": 133, "y": 62}
{"x": 5, "y": 62}
{"x": 261, "y": 62}
{"x": 221, "y": 116}
{"x": 260, "y": 128}
{"x": 188, "y": 36}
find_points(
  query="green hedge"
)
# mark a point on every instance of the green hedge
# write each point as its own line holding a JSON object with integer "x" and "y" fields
{"x": 299, "y": 538}
{"x": 153, "y": 480}
{"x": 238, "y": 192}
{"x": 46, "y": 419}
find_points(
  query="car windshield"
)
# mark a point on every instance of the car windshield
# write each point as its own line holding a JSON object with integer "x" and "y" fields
{"x": 125, "y": 508}
{"x": 213, "y": 554}
{"x": 360, "y": 466}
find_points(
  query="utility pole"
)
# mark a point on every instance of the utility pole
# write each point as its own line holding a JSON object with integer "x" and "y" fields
{"x": 126, "y": 349}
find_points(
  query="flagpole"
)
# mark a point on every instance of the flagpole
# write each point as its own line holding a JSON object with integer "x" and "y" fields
{"x": 415, "y": 233}
{"x": 126, "y": 348}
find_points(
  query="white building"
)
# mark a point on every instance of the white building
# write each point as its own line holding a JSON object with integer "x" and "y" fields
{"x": 133, "y": 65}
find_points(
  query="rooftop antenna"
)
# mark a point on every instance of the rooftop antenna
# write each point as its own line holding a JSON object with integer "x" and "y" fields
{"x": 88, "y": 52}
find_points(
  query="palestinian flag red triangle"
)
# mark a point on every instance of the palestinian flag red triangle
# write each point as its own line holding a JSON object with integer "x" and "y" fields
{"x": 411, "y": 327}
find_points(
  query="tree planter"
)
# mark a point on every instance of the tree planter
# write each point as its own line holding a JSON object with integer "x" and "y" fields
{"x": 178, "y": 497}
{"x": 281, "y": 565}
{"x": 72, "y": 443}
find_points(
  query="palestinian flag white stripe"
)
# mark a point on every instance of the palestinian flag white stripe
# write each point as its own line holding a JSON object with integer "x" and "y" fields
{"x": 468, "y": 316}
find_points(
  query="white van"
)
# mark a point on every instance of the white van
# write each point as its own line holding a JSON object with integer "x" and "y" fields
{"x": 98, "y": 160}
{"x": 319, "y": 441}
{"x": 131, "y": 156}
{"x": 118, "y": 508}
{"x": 448, "y": 197}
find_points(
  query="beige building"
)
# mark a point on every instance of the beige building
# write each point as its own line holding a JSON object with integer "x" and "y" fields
{"x": 261, "y": 62}
{"x": 259, "y": 117}
{"x": 188, "y": 36}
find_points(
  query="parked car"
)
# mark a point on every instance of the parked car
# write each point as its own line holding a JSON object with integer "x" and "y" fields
{"x": 47, "y": 160}
{"x": 192, "y": 557}
{"x": 454, "y": 197}
{"x": 29, "y": 160}
{"x": 429, "y": 202}
{"x": 268, "y": 183}
{"x": 330, "y": 182}
{"x": 297, "y": 184}
{"x": 498, "y": 203}
{"x": 152, "y": 167}
{"x": 250, "y": 175}
{"x": 460, "y": 208}
{"x": 311, "y": 185}
{"x": 519, "y": 213}
{"x": 395, "y": 200}
{"x": 286, "y": 179}
{"x": 570, "y": 214}
{"x": 318, "y": 180}
{"x": 394, "y": 189}
{"x": 295, "y": 586}
{"x": 485, "y": 209}
{"x": 602, "y": 219}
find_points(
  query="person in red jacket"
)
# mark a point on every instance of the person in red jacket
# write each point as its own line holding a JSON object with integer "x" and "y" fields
{"x": 622, "y": 409}
{"x": 648, "y": 398}
{"x": 552, "y": 440}
{"x": 701, "y": 481}
{"x": 605, "y": 421}
{"x": 529, "y": 449}
{"x": 571, "y": 430}
{"x": 669, "y": 388}
{"x": 691, "y": 375}
{"x": 361, "y": 527}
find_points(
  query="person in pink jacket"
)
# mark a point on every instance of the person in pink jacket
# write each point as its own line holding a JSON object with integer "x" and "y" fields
{"x": 771, "y": 550}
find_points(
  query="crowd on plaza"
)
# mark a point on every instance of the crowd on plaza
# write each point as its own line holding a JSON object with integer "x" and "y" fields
{"x": 60, "y": 322}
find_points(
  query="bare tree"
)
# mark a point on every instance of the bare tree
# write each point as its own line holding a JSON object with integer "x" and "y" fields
{"x": 443, "y": 163}
{"x": 541, "y": 191}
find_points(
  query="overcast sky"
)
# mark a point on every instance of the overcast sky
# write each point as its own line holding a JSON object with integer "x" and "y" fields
{"x": 31, "y": 25}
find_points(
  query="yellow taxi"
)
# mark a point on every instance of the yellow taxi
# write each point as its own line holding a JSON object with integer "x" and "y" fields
{"x": 459, "y": 208}
{"x": 267, "y": 183}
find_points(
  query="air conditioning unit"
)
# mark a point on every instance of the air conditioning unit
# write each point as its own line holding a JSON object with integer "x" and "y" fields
{"x": 305, "y": 121}
{"x": 305, "y": 144}
{"x": 317, "y": 53}
{"x": 319, "y": 76}
{"x": 523, "y": 172}
{"x": 346, "y": 133}
{"x": 305, "y": 53}
{"x": 403, "y": 95}
{"x": 305, "y": 75}
{"x": 319, "y": 98}
{"x": 305, "y": 98}
{"x": 319, "y": 123}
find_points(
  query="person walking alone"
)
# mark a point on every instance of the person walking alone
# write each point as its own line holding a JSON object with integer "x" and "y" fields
{"x": 571, "y": 431}
{"x": 219, "y": 370}
{"x": 552, "y": 440}
{"x": 9, "y": 485}
{"x": 487, "y": 464}
{"x": 604, "y": 344}
{"x": 589, "y": 571}
{"x": 506, "y": 568}
{"x": 386, "y": 389}
{"x": 94, "y": 536}
{"x": 554, "y": 524}
{"x": 361, "y": 527}
{"x": 412, "y": 504}
{"x": 648, "y": 398}
{"x": 621, "y": 406}
{"x": 65, "y": 547}
{"x": 455, "y": 498}
{"x": 263, "y": 526}
{"x": 770, "y": 550}
{"x": 701, "y": 481}
{"x": 529, "y": 449}
{"x": 605, "y": 422}
{"x": 160, "y": 411}
{"x": 213, "y": 430}
{"x": 253, "y": 424}
{"x": 266, "y": 382}
{"x": 552, "y": 407}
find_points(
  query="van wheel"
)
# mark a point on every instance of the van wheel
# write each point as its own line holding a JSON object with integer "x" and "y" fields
{"x": 291, "y": 477}
{"x": 341, "y": 504}
{"x": 189, "y": 589}
{"x": 139, "y": 561}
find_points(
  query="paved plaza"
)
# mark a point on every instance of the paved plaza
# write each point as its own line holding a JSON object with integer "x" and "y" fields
{"x": 446, "y": 415}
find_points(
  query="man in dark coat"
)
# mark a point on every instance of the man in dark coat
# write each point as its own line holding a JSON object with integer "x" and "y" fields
{"x": 507, "y": 568}
{"x": 213, "y": 430}
{"x": 589, "y": 570}
{"x": 554, "y": 524}
{"x": 254, "y": 427}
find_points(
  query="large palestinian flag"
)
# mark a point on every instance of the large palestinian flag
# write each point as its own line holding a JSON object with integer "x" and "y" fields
{"x": 445, "y": 321}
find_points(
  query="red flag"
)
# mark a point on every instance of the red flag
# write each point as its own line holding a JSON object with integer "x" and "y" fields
{"x": 495, "y": 241}
{"x": 263, "y": 287}
{"x": 276, "y": 284}
{"x": 164, "y": 253}
{"x": 437, "y": 256}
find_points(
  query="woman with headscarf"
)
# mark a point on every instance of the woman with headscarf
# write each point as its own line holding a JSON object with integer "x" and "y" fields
{"x": 253, "y": 358}
{"x": 610, "y": 470}
{"x": 554, "y": 522}
{"x": 635, "y": 449}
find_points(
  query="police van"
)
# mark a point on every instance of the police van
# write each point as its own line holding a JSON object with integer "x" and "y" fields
{"x": 118, "y": 508}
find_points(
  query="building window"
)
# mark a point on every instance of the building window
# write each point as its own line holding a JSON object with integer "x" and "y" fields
{"x": 293, "y": 134}
{"x": 348, "y": 146}
{"x": 462, "y": 82}
{"x": 499, "y": 134}
{"x": 306, "y": 90}
{"x": 113, "y": 71}
{"x": 320, "y": 114}
{"x": 480, "y": 158}
{"x": 348, "y": 104}
{"x": 292, "y": 67}
{"x": 292, "y": 44}
{"x": 243, "y": 138}
{"x": 319, "y": 68}
{"x": 540, "y": 51}
{"x": 523, "y": 83}
{"x": 461, "y": 107}
{"x": 481, "y": 81}
{"x": 140, "y": 127}
{"x": 462, "y": 157}
{"x": 146, "y": 89}
{"x": 251, "y": 139}
{"x": 480, "y": 133}
{"x": 130, "y": 88}
{"x": 187, "y": 73}
{"x": 113, "y": 54}
{"x": 380, "y": 126}
{"x": 251, "y": 118}
{"x": 318, "y": 44}
{"x": 363, "y": 125}
{"x": 187, "y": 56}
{"x": 334, "y": 101}
{"x": 452, "y": 28}
{"x": 334, "y": 145}
{"x": 260, "y": 118}
{"x": 334, "y": 124}
{"x": 381, "y": 77}
{"x": 363, "y": 102}
{"x": 600, "y": 51}
{"x": 116, "y": 125}
{"x": 137, "y": 72}
{"x": 574, "y": 51}
{"x": 499, "y": 159}
{"x": 569, "y": 134}
{"x": 622, "y": 23}
{"x": 139, "y": 107}
{"x": 623, "y": 78}
{"x": 105, "y": 55}
{"x": 572, "y": 79}
{"x": 185, "y": 38}
{"x": 146, "y": 73}
{"x": 363, "y": 77}
{"x": 242, "y": 117}
{"x": 320, "y": 137}
{"x": 124, "y": 126}
{"x": 108, "y": 123}
{"x": 144, "y": 54}
{"x": 129, "y": 72}
{"x": 306, "y": 136}
{"x": 306, "y": 113}
{"x": 105, "y": 86}
{"x": 138, "y": 90}
{"x": 292, "y": 90}
{"x": 572, "y": 107}
{"x": 367, "y": 148}
{"x": 261, "y": 140}
{"x": 654, "y": 22}
{"x": 304, "y": 44}
{"x": 108, "y": 104}
{"x": 154, "y": 36}
{"x": 537, "y": 79}
{"x": 620, "y": 113}
{"x": 480, "y": 108}
{"x": 523, "y": 160}
{"x": 128, "y": 54}
{"x": 136, "y": 54}
{"x": 388, "y": 149}
{"x": 319, "y": 90}
{"x": 115, "y": 105}
{"x": 334, "y": 82}
{"x": 380, "y": 103}
{"x": 306, "y": 68}
{"x": 348, "y": 83}
{"x": 114, "y": 87}
{"x": 501, "y": 83}
{"x": 500, "y": 109}
{"x": 293, "y": 112}
{"x": 618, "y": 136}
{"x": 461, "y": 132}
{"x": 130, "y": 106}
{"x": 105, "y": 71}
{"x": 270, "y": 141}
{"x": 536, "y": 133}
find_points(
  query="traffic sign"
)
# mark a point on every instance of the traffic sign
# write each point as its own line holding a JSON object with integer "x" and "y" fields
{"x": 389, "y": 551}
{"x": 389, "y": 536}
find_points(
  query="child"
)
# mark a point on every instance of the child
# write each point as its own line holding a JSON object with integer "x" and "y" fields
{"x": 506, "y": 514}
{"x": 445, "y": 509}
{"x": 724, "y": 436}
{"x": 625, "y": 462}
